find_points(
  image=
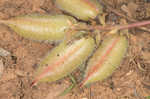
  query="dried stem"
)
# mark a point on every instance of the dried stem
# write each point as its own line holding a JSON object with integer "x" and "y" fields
{"x": 138, "y": 24}
{"x": 119, "y": 27}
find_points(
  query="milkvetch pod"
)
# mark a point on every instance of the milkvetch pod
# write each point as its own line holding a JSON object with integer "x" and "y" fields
{"x": 41, "y": 27}
{"x": 63, "y": 59}
{"x": 81, "y": 9}
{"x": 106, "y": 59}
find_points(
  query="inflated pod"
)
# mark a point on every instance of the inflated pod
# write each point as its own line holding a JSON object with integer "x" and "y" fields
{"x": 106, "y": 59}
{"x": 63, "y": 59}
{"x": 82, "y": 9}
{"x": 41, "y": 27}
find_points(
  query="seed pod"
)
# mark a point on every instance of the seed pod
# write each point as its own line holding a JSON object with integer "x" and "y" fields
{"x": 63, "y": 59}
{"x": 106, "y": 59}
{"x": 41, "y": 27}
{"x": 82, "y": 9}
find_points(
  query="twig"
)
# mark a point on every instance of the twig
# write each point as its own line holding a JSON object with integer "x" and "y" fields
{"x": 137, "y": 24}
{"x": 119, "y": 27}
{"x": 90, "y": 96}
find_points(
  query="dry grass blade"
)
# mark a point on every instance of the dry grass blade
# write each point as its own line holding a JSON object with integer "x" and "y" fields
{"x": 67, "y": 90}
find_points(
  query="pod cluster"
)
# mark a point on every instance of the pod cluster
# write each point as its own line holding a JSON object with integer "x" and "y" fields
{"x": 68, "y": 56}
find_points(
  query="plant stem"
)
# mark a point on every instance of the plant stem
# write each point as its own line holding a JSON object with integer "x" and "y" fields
{"x": 119, "y": 27}
{"x": 137, "y": 24}
{"x": 67, "y": 90}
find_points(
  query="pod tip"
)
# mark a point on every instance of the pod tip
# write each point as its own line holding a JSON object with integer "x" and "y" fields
{"x": 83, "y": 83}
{"x": 33, "y": 83}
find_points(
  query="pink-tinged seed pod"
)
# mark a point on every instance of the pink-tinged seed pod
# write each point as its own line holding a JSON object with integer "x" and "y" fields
{"x": 81, "y": 9}
{"x": 106, "y": 59}
{"x": 63, "y": 59}
{"x": 41, "y": 27}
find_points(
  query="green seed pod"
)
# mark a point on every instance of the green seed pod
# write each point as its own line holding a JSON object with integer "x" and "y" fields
{"x": 41, "y": 27}
{"x": 82, "y": 9}
{"x": 106, "y": 59}
{"x": 63, "y": 59}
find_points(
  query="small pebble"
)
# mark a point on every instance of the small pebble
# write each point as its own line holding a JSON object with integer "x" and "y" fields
{"x": 4, "y": 52}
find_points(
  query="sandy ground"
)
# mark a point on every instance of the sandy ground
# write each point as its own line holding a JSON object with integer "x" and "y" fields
{"x": 130, "y": 81}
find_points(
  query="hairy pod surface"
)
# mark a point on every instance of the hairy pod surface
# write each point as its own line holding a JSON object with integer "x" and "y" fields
{"x": 82, "y": 9}
{"x": 41, "y": 27}
{"x": 106, "y": 59}
{"x": 63, "y": 59}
